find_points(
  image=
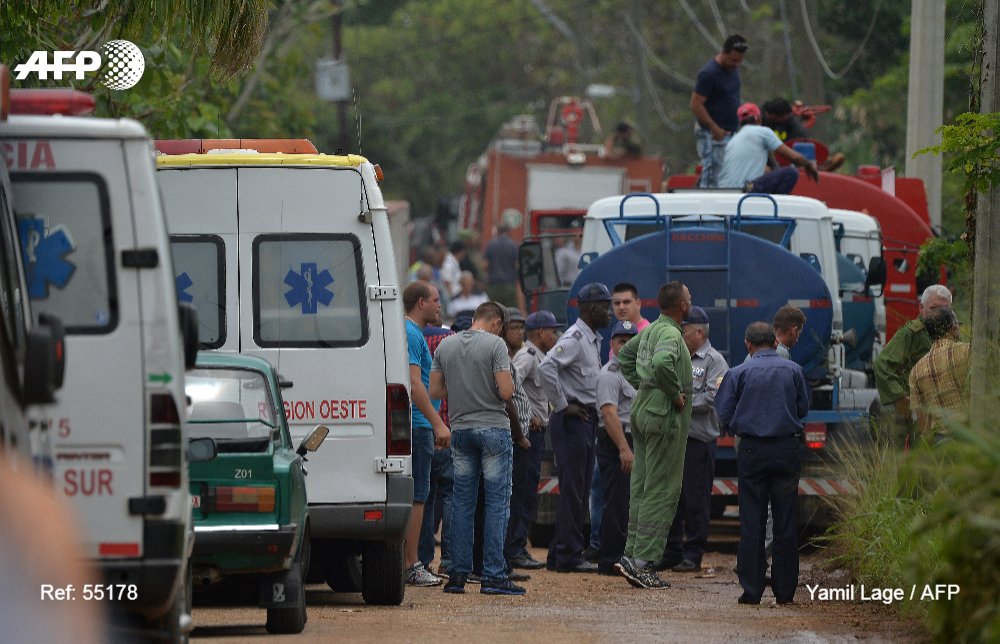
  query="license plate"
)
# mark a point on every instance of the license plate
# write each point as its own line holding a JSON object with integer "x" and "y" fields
{"x": 195, "y": 501}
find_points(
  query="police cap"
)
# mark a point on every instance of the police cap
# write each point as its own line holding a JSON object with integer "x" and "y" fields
{"x": 624, "y": 327}
{"x": 594, "y": 292}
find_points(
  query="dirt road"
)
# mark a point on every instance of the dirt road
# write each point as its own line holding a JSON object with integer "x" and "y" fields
{"x": 578, "y": 608}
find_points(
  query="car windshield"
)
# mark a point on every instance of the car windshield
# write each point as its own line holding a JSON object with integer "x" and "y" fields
{"x": 229, "y": 404}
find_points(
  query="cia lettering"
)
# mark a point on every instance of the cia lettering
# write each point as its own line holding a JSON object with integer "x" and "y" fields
{"x": 863, "y": 593}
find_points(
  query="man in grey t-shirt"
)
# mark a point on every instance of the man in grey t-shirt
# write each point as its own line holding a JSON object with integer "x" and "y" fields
{"x": 472, "y": 370}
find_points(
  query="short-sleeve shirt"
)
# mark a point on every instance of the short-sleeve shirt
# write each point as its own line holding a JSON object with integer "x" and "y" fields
{"x": 613, "y": 389}
{"x": 721, "y": 89}
{"x": 468, "y": 360}
{"x": 420, "y": 355}
{"x": 939, "y": 386}
{"x": 526, "y": 361}
{"x": 501, "y": 253}
{"x": 746, "y": 155}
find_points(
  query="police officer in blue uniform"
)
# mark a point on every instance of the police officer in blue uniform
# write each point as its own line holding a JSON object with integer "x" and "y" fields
{"x": 569, "y": 377}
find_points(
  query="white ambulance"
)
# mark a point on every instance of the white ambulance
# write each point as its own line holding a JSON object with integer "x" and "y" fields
{"x": 31, "y": 356}
{"x": 97, "y": 256}
{"x": 287, "y": 255}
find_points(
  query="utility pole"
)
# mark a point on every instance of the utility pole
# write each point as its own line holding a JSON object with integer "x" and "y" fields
{"x": 342, "y": 133}
{"x": 986, "y": 270}
{"x": 925, "y": 102}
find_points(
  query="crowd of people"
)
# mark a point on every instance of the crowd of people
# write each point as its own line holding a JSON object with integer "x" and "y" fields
{"x": 633, "y": 434}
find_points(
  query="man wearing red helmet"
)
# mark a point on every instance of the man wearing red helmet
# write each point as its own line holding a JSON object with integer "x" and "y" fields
{"x": 746, "y": 158}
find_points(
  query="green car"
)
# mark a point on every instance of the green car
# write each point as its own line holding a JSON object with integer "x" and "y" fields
{"x": 249, "y": 501}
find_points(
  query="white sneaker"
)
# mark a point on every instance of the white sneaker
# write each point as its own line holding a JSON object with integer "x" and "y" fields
{"x": 417, "y": 575}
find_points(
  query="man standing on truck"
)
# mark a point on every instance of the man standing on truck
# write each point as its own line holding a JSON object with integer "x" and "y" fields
{"x": 763, "y": 401}
{"x": 541, "y": 328}
{"x": 714, "y": 101}
{"x": 569, "y": 376}
{"x": 896, "y": 360}
{"x": 657, "y": 363}
{"x": 472, "y": 370}
{"x": 694, "y": 509}
{"x": 747, "y": 153}
{"x": 422, "y": 304}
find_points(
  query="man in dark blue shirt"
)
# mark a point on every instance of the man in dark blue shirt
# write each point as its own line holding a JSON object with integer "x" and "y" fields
{"x": 714, "y": 102}
{"x": 763, "y": 401}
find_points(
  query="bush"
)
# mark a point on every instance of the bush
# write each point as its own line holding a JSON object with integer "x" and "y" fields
{"x": 924, "y": 518}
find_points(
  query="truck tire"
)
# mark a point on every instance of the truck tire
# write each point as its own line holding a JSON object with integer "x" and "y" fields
{"x": 343, "y": 572}
{"x": 292, "y": 620}
{"x": 382, "y": 574}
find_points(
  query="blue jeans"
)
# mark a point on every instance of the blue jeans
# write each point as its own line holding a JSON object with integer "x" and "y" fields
{"x": 712, "y": 154}
{"x": 437, "y": 509}
{"x": 486, "y": 451}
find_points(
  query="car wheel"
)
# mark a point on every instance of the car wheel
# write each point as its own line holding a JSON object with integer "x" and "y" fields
{"x": 292, "y": 619}
{"x": 382, "y": 574}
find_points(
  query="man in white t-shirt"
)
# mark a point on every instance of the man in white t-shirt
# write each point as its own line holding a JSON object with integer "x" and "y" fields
{"x": 746, "y": 155}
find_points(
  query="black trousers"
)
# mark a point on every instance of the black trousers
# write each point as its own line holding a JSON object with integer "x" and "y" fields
{"x": 768, "y": 471}
{"x": 689, "y": 531}
{"x": 524, "y": 494}
{"x": 616, "y": 486}
{"x": 573, "y": 443}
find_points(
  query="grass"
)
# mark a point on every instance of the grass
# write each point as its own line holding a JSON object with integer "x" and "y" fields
{"x": 928, "y": 517}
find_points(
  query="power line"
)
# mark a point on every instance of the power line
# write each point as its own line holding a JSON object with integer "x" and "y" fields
{"x": 653, "y": 58}
{"x": 648, "y": 80}
{"x": 718, "y": 19}
{"x": 819, "y": 54}
{"x": 701, "y": 27}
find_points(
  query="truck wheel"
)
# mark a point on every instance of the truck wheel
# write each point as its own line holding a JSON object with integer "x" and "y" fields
{"x": 382, "y": 574}
{"x": 293, "y": 618}
{"x": 343, "y": 573}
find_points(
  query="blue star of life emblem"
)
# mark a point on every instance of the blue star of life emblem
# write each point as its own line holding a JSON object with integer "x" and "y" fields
{"x": 44, "y": 262}
{"x": 183, "y": 282}
{"x": 309, "y": 288}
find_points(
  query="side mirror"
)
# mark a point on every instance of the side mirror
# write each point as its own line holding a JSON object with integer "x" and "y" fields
{"x": 45, "y": 361}
{"x": 284, "y": 383}
{"x": 313, "y": 440}
{"x": 531, "y": 266}
{"x": 189, "y": 332}
{"x": 876, "y": 274}
{"x": 201, "y": 449}
{"x": 585, "y": 259}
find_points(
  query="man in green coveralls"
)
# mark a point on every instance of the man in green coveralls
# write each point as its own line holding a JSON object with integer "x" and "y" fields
{"x": 894, "y": 363}
{"x": 657, "y": 363}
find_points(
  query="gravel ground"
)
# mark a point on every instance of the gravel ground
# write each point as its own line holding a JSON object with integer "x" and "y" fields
{"x": 577, "y": 608}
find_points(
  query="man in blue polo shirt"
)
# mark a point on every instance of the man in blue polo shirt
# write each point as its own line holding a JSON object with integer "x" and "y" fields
{"x": 714, "y": 101}
{"x": 764, "y": 401}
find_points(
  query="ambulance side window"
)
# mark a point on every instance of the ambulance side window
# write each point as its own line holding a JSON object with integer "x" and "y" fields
{"x": 308, "y": 291}
{"x": 64, "y": 226}
{"x": 200, "y": 278}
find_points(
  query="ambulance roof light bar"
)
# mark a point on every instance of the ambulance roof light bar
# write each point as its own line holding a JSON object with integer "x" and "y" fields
{"x": 47, "y": 102}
